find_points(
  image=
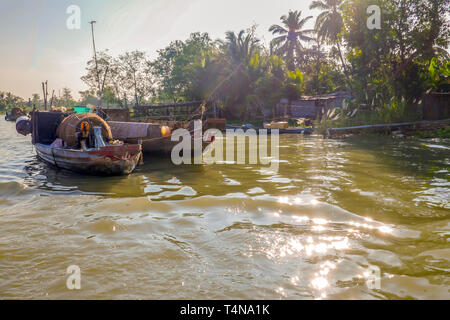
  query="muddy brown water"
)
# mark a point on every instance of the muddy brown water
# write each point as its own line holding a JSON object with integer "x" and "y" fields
{"x": 336, "y": 215}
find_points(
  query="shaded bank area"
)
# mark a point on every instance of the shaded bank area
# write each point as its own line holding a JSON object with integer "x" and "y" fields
{"x": 432, "y": 128}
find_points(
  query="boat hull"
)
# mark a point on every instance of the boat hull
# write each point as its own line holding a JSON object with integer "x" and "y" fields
{"x": 152, "y": 140}
{"x": 161, "y": 146}
{"x": 107, "y": 161}
{"x": 11, "y": 118}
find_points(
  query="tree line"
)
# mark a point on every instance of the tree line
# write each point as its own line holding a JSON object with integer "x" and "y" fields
{"x": 9, "y": 101}
{"x": 385, "y": 69}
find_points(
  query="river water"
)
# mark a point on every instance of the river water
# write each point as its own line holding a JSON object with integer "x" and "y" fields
{"x": 360, "y": 218}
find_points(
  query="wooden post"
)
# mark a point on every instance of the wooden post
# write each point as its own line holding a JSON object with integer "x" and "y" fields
{"x": 96, "y": 64}
{"x": 33, "y": 128}
{"x": 45, "y": 97}
{"x": 51, "y": 100}
{"x": 102, "y": 88}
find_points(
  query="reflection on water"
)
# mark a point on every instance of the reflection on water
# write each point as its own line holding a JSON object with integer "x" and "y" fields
{"x": 335, "y": 210}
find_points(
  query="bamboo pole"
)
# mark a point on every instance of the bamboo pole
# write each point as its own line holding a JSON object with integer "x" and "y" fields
{"x": 103, "y": 87}
{"x": 45, "y": 97}
{"x": 96, "y": 63}
{"x": 46, "y": 94}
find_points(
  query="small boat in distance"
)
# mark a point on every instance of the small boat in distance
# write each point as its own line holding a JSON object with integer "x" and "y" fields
{"x": 14, "y": 114}
{"x": 80, "y": 143}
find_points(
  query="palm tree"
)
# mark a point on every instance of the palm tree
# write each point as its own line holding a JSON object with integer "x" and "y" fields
{"x": 236, "y": 80}
{"x": 330, "y": 23}
{"x": 290, "y": 36}
{"x": 240, "y": 47}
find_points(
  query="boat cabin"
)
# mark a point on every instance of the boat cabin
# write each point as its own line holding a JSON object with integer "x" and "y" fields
{"x": 45, "y": 125}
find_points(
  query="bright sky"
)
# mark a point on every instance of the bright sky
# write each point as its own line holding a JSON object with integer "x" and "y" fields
{"x": 36, "y": 45}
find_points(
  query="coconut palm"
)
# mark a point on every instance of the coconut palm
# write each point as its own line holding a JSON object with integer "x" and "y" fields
{"x": 237, "y": 79}
{"x": 288, "y": 43}
{"x": 240, "y": 47}
{"x": 329, "y": 23}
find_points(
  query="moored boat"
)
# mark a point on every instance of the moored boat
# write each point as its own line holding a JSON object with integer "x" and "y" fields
{"x": 14, "y": 114}
{"x": 156, "y": 138}
{"x": 108, "y": 160}
{"x": 80, "y": 143}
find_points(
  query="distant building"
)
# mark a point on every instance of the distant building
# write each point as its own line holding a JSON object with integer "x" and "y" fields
{"x": 310, "y": 107}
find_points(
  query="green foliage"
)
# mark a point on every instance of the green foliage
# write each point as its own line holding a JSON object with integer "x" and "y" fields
{"x": 294, "y": 85}
{"x": 394, "y": 61}
{"x": 109, "y": 97}
{"x": 181, "y": 70}
{"x": 9, "y": 101}
{"x": 126, "y": 76}
{"x": 268, "y": 88}
{"x": 135, "y": 76}
{"x": 329, "y": 23}
{"x": 35, "y": 101}
{"x": 439, "y": 72}
{"x": 235, "y": 73}
{"x": 387, "y": 69}
{"x": 88, "y": 97}
{"x": 289, "y": 37}
{"x": 67, "y": 100}
{"x": 351, "y": 114}
{"x": 443, "y": 133}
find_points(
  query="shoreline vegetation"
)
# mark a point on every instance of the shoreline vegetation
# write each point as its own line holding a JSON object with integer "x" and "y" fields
{"x": 386, "y": 69}
{"x": 420, "y": 129}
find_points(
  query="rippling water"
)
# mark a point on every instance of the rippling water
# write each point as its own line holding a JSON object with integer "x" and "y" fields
{"x": 336, "y": 211}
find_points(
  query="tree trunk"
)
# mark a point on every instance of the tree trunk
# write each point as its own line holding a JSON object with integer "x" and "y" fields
{"x": 135, "y": 90}
{"x": 344, "y": 65}
{"x": 290, "y": 57}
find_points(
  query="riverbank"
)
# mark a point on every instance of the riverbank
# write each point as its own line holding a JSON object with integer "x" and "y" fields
{"x": 418, "y": 129}
{"x": 443, "y": 133}
{"x": 437, "y": 128}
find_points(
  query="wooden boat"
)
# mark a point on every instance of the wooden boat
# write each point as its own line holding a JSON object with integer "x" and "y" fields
{"x": 106, "y": 161}
{"x": 53, "y": 137}
{"x": 14, "y": 114}
{"x": 155, "y": 136}
{"x": 162, "y": 146}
